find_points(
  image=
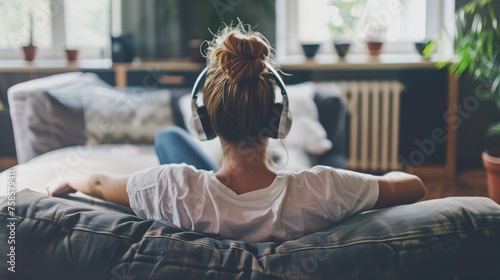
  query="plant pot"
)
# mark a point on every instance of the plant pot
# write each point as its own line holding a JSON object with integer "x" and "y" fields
{"x": 374, "y": 48}
{"x": 72, "y": 55}
{"x": 491, "y": 162}
{"x": 310, "y": 50}
{"x": 342, "y": 49}
{"x": 29, "y": 52}
{"x": 420, "y": 46}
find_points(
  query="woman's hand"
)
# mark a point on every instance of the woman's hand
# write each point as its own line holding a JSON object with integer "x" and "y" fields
{"x": 108, "y": 187}
{"x": 59, "y": 186}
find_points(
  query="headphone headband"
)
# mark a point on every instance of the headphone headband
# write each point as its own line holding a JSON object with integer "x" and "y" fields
{"x": 200, "y": 122}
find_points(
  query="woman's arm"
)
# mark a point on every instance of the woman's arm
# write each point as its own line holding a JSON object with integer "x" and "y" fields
{"x": 399, "y": 188}
{"x": 107, "y": 187}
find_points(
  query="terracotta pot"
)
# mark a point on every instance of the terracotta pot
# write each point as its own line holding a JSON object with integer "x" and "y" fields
{"x": 29, "y": 52}
{"x": 72, "y": 55}
{"x": 491, "y": 161}
{"x": 374, "y": 47}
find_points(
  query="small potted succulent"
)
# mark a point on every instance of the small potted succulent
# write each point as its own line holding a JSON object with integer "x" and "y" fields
{"x": 30, "y": 49}
{"x": 375, "y": 37}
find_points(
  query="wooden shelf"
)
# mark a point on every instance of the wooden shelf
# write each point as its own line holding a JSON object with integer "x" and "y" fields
{"x": 53, "y": 65}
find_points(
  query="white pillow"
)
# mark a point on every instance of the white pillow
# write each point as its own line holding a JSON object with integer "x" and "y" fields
{"x": 306, "y": 133}
{"x": 301, "y": 100}
{"x": 114, "y": 116}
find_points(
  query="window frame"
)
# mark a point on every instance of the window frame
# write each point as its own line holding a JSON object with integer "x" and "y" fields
{"x": 58, "y": 30}
{"x": 439, "y": 16}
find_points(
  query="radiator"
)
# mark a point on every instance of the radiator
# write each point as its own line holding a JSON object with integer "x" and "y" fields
{"x": 373, "y": 108}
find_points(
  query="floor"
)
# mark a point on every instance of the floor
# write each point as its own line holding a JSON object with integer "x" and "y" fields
{"x": 469, "y": 183}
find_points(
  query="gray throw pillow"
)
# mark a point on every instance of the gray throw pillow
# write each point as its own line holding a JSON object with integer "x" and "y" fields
{"x": 132, "y": 116}
{"x": 51, "y": 124}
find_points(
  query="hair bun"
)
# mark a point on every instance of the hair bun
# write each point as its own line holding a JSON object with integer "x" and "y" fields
{"x": 242, "y": 57}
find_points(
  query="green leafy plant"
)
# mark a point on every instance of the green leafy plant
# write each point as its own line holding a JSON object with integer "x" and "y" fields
{"x": 477, "y": 41}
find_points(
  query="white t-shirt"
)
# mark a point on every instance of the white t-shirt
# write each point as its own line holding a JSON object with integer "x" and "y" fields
{"x": 294, "y": 205}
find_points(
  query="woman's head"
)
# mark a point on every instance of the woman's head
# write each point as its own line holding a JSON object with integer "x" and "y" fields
{"x": 238, "y": 91}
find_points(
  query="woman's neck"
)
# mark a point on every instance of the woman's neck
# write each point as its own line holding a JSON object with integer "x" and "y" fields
{"x": 245, "y": 169}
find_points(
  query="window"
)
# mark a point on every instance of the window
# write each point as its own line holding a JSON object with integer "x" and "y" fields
{"x": 398, "y": 23}
{"x": 87, "y": 23}
{"x": 15, "y": 23}
{"x": 57, "y": 24}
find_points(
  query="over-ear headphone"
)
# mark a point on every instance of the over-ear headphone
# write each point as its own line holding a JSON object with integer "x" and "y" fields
{"x": 279, "y": 124}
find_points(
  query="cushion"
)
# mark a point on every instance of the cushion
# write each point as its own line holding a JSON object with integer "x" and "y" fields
{"x": 135, "y": 116}
{"x": 51, "y": 124}
{"x": 57, "y": 238}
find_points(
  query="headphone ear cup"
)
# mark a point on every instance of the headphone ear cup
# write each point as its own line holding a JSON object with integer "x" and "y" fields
{"x": 287, "y": 124}
{"x": 274, "y": 122}
{"x": 280, "y": 125}
{"x": 205, "y": 123}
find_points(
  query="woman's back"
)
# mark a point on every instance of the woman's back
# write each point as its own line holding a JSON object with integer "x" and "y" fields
{"x": 293, "y": 205}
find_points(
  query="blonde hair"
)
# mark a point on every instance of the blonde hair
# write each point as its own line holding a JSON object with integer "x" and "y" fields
{"x": 238, "y": 91}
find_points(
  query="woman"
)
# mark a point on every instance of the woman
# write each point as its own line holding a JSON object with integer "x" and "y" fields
{"x": 244, "y": 199}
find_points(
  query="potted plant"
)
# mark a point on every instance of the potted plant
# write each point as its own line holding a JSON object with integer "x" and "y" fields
{"x": 30, "y": 49}
{"x": 477, "y": 41}
{"x": 426, "y": 48}
{"x": 374, "y": 44}
{"x": 375, "y": 33}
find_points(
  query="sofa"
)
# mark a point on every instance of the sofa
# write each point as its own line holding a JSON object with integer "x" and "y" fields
{"x": 78, "y": 237}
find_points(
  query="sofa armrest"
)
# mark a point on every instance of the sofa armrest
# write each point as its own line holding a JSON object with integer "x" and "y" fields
{"x": 7, "y": 146}
{"x": 40, "y": 122}
{"x": 332, "y": 116}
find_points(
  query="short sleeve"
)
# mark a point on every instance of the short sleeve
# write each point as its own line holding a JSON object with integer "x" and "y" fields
{"x": 143, "y": 189}
{"x": 360, "y": 191}
{"x": 340, "y": 193}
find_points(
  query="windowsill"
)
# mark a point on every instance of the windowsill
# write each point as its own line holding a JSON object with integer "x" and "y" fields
{"x": 358, "y": 62}
{"x": 294, "y": 62}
